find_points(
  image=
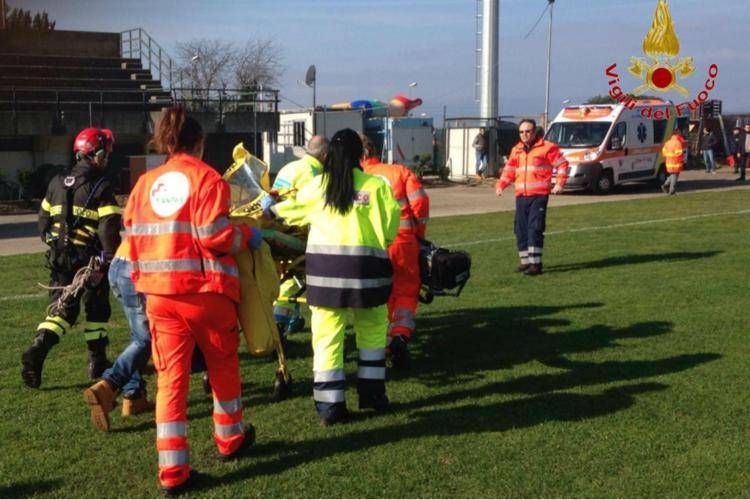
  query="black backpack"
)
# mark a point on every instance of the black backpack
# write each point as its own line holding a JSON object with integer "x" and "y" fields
{"x": 442, "y": 270}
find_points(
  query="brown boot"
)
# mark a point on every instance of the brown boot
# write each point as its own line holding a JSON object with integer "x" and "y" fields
{"x": 137, "y": 405}
{"x": 101, "y": 397}
{"x": 533, "y": 270}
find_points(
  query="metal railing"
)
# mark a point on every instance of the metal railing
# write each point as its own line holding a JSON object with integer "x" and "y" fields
{"x": 227, "y": 100}
{"x": 137, "y": 44}
{"x": 93, "y": 102}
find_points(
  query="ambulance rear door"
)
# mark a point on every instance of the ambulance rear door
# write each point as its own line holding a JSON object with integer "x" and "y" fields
{"x": 639, "y": 149}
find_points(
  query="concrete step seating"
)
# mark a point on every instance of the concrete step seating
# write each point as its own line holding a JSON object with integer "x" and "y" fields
{"x": 81, "y": 83}
{"x": 58, "y": 61}
{"x": 35, "y": 82}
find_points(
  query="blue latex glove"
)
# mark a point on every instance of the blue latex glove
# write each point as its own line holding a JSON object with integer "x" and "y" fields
{"x": 267, "y": 202}
{"x": 256, "y": 238}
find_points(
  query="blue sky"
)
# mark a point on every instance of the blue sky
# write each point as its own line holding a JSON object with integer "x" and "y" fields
{"x": 368, "y": 49}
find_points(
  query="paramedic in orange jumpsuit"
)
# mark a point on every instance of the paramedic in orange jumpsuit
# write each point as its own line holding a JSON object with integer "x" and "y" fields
{"x": 181, "y": 247}
{"x": 404, "y": 251}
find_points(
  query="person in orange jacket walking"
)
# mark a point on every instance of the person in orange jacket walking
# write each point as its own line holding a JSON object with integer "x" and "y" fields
{"x": 674, "y": 157}
{"x": 530, "y": 166}
{"x": 403, "y": 252}
{"x": 181, "y": 247}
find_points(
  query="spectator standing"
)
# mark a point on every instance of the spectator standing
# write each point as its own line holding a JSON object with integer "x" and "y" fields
{"x": 708, "y": 143}
{"x": 745, "y": 158}
{"x": 481, "y": 148}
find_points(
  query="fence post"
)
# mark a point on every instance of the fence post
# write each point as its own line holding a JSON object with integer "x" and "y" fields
{"x": 101, "y": 108}
{"x": 14, "y": 105}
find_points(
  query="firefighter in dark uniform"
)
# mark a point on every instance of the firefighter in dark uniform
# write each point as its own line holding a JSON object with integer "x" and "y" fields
{"x": 79, "y": 219}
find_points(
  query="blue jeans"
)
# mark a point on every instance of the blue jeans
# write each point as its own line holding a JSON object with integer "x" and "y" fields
{"x": 125, "y": 372}
{"x": 481, "y": 161}
{"x": 708, "y": 159}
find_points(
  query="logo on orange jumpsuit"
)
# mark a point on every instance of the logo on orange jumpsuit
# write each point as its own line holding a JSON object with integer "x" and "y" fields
{"x": 169, "y": 193}
{"x": 662, "y": 69}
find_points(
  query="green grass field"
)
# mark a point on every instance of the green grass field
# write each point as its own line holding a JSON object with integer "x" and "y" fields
{"x": 621, "y": 372}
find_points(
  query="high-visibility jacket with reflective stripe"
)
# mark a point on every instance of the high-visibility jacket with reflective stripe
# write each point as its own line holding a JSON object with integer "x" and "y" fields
{"x": 181, "y": 240}
{"x": 409, "y": 193}
{"x": 674, "y": 153}
{"x": 531, "y": 168}
{"x": 99, "y": 224}
{"x": 295, "y": 174}
{"x": 346, "y": 261}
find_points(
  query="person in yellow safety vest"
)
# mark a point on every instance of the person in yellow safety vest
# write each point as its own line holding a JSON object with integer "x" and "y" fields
{"x": 353, "y": 217}
{"x": 293, "y": 176}
{"x": 674, "y": 155}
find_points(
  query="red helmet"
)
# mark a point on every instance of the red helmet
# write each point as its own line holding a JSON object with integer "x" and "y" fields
{"x": 90, "y": 140}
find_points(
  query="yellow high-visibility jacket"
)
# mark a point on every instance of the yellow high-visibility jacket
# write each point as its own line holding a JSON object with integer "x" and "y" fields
{"x": 297, "y": 173}
{"x": 346, "y": 262}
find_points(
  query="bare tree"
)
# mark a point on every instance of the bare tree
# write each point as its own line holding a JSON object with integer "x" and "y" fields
{"x": 205, "y": 64}
{"x": 258, "y": 64}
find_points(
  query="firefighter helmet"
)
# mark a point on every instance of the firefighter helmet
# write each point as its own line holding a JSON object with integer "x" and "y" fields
{"x": 90, "y": 141}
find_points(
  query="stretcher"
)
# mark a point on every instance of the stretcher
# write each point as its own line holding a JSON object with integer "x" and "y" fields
{"x": 281, "y": 257}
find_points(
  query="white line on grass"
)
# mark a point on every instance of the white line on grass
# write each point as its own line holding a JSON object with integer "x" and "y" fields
{"x": 599, "y": 228}
{"x": 23, "y": 297}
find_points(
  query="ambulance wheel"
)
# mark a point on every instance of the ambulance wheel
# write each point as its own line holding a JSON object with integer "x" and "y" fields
{"x": 281, "y": 388}
{"x": 605, "y": 183}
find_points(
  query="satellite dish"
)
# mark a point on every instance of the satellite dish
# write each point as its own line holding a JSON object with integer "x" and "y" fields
{"x": 310, "y": 76}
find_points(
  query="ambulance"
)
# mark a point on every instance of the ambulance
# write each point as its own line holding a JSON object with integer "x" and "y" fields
{"x": 611, "y": 144}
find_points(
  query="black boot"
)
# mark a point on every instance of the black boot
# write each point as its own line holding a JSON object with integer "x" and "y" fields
{"x": 400, "y": 357}
{"x": 372, "y": 395}
{"x": 33, "y": 358}
{"x": 98, "y": 361}
{"x": 533, "y": 270}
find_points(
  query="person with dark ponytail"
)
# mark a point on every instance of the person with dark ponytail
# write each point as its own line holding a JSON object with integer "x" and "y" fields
{"x": 181, "y": 248}
{"x": 353, "y": 217}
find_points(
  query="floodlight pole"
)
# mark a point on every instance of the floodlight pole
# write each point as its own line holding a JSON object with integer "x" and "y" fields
{"x": 314, "y": 85}
{"x": 549, "y": 58}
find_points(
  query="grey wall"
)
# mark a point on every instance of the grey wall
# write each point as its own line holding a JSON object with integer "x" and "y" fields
{"x": 61, "y": 43}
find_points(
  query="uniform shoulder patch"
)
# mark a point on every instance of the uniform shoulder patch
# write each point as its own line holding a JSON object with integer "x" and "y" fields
{"x": 362, "y": 197}
{"x": 69, "y": 180}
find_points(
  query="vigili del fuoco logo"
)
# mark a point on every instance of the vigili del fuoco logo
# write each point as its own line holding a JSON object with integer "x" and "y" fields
{"x": 662, "y": 70}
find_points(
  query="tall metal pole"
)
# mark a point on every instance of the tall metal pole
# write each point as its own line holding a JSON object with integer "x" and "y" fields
{"x": 489, "y": 65}
{"x": 488, "y": 106}
{"x": 315, "y": 84}
{"x": 549, "y": 59}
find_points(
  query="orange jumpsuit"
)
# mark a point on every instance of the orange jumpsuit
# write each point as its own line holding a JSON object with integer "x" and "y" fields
{"x": 181, "y": 247}
{"x": 404, "y": 251}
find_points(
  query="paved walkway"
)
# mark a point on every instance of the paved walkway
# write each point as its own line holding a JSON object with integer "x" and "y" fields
{"x": 19, "y": 234}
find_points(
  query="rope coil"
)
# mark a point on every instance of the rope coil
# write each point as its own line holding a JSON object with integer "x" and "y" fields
{"x": 80, "y": 279}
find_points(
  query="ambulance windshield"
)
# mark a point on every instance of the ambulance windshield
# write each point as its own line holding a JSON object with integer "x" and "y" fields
{"x": 577, "y": 134}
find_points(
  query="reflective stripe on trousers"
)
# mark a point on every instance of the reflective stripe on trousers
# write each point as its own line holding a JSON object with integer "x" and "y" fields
{"x": 328, "y": 326}
{"x": 229, "y": 430}
{"x": 329, "y": 386}
{"x": 174, "y": 455}
{"x": 371, "y": 364}
{"x": 402, "y": 321}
